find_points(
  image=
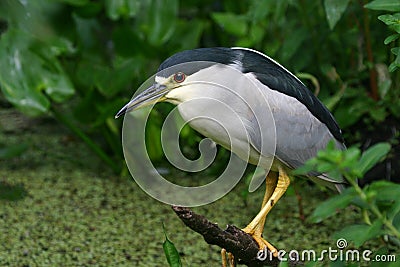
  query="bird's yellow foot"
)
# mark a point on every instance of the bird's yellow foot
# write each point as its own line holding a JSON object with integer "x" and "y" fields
{"x": 228, "y": 260}
{"x": 262, "y": 243}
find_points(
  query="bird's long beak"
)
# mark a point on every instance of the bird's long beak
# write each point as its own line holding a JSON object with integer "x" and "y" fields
{"x": 151, "y": 95}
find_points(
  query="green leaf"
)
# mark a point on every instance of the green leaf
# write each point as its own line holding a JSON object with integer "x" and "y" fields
{"x": 74, "y": 2}
{"x": 108, "y": 80}
{"x": 395, "y": 50}
{"x": 394, "y": 209}
{"x": 284, "y": 264}
{"x": 391, "y": 38}
{"x": 26, "y": 73}
{"x": 371, "y": 157}
{"x": 386, "y": 193}
{"x": 334, "y": 10}
{"x": 190, "y": 34}
{"x": 309, "y": 166}
{"x": 385, "y": 190}
{"x": 90, "y": 9}
{"x": 128, "y": 43}
{"x": 396, "y": 221}
{"x": 160, "y": 21}
{"x": 386, "y": 5}
{"x": 55, "y": 81}
{"x": 231, "y": 23}
{"x": 378, "y": 114}
{"x": 351, "y": 156}
{"x": 171, "y": 253}
{"x": 394, "y": 66}
{"x": 83, "y": 111}
{"x": 345, "y": 117}
{"x": 258, "y": 10}
{"x": 396, "y": 63}
{"x": 359, "y": 234}
{"x": 292, "y": 43}
{"x": 12, "y": 150}
{"x": 324, "y": 167}
{"x": 17, "y": 86}
{"x": 393, "y": 21}
{"x": 329, "y": 207}
{"x": 116, "y": 9}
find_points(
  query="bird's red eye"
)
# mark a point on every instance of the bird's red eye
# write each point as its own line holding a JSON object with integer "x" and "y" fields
{"x": 179, "y": 77}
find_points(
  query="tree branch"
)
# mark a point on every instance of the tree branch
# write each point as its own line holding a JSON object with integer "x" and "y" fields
{"x": 234, "y": 240}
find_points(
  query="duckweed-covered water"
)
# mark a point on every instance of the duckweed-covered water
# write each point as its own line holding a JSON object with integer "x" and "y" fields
{"x": 60, "y": 206}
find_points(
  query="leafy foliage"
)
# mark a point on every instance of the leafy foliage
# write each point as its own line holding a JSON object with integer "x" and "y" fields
{"x": 393, "y": 22}
{"x": 80, "y": 60}
{"x": 334, "y": 10}
{"x": 378, "y": 202}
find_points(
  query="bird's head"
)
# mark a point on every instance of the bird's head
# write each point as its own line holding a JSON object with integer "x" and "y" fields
{"x": 176, "y": 74}
{"x": 158, "y": 92}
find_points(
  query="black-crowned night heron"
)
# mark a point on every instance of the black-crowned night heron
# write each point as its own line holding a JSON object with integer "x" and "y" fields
{"x": 303, "y": 124}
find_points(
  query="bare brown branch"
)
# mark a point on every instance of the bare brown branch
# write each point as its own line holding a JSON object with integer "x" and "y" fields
{"x": 234, "y": 240}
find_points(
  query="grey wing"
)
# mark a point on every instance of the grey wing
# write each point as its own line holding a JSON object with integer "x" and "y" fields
{"x": 299, "y": 134}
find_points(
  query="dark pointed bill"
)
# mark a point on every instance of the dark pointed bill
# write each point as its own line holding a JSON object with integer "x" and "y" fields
{"x": 149, "y": 96}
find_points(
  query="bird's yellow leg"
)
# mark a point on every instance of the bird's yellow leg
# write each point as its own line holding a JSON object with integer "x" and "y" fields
{"x": 254, "y": 227}
{"x": 270, "y": 183}
{"x": 231, "y": 259}
{"x": 223, "y": 257}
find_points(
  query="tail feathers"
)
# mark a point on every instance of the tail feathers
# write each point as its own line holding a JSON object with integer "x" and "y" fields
{"x": 330, "y": 183}
{"x": 340, "y": 187}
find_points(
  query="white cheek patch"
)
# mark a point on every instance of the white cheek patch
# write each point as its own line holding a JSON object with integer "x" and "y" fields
{"x": 160, "y": 80}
